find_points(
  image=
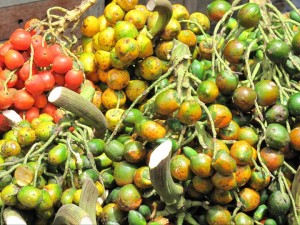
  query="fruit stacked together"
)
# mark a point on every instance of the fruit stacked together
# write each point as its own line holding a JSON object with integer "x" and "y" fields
{"x": 226, "y": 98}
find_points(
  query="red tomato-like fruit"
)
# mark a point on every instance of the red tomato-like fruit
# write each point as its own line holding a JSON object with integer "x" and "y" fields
{"x": 40, "y": 101}
{"x": 19, "y": 84}
{"x": 59, "y": 78}
{"x": 56, "y": 49}
{"x": 32, "y": 113}
{"x": 23, "y": 100}
{"x": 24, "y": 72}
{"x": 4, "y": 124}
{"x": 43, "y": 56}
{"x": 20, "y": 39}
{"x": 48, "y": 79}
{"x": 35, "y": 85}
{"x": 13, "y": 59}
{"x": 73, "y": 79}
{"x": 38, "y": 41}
{"x": 4, "y": 49}
{"x": 8, "y": 76}
{"x": 62, "y": 64}
{"x": 49, "y": 109}
{"x": 6, "y": 99}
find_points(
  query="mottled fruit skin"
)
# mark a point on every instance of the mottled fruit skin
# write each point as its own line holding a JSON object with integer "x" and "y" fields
{"x": 234, "y": 51}
{"x": 244, "y": 98}
{"x": 217, "y": 9}
{"x": 218, "y": 215}
{"x": 249, "y": 15}
{"x": 250, "y": 199}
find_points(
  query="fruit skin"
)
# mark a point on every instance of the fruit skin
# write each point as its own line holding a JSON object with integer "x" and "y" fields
{"x": 277, "y": 136}
{"x": 218, "y": 215}
{"x": 277, "y": 51}
{"x": 294, "y": 104}
{"x": 217, "y": 9}
{"x": 278, "y": 203}
{"x": 249, "y": 15}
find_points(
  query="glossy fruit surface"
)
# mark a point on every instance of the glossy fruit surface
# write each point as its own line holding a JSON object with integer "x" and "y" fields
{"x": 249, "y": 15}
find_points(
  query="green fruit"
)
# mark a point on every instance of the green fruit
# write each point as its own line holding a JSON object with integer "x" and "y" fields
{"x": 136, "y": 218}
{"x": 30, "y": 196}
{"x": 277, "y": 136}
{"x": 279, "y": 203}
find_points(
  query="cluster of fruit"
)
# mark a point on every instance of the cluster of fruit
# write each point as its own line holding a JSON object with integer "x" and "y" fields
{"x": 226, "y": 98}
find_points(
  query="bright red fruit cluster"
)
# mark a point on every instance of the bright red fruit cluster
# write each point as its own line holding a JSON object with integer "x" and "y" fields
{"x": 29, "y": 69}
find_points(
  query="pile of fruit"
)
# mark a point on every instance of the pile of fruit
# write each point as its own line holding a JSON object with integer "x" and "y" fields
{"x": 155, "y": 116}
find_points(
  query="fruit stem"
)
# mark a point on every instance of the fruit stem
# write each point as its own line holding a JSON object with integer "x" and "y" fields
{"x": 165, "y": 11}
{"x": 12, "y": 216}
{"x": 160, "y": 175}
{"x": 81, "y": 107}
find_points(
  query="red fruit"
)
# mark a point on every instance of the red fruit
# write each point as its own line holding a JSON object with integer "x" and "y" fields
{"x": 13, "y": 59}
{"x": 35, "y": 85}
{"x": 8, "y": 76}
{"x": 49, "y": 109}
{"x": 43, "y": 56}
{"x": 3, "y": 50}
{"x": 19, "y": 84}
{"x": 32, "y": 113}
{"x": 4, "y": 125}
{"x": 48, "y": 79}
{"x": 25, "y": 71}
{"x": 23, "y": 100}
{"x": 59, "y": 79}
{"x": 38, "y": 41}
{"x": 6, "y": 99}
{"x": 20, "y": 39}
{"x": 40, "y": 101}
{"x": 62, "y": 64}
{"x": 73, "y": 79}
{"x": 56, "y": 49}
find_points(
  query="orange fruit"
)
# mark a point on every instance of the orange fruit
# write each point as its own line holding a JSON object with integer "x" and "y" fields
{"x": 145, "y": 46}
{"x": 113, "y": 12}
{"x": 103, "y": 60}
{"x": 273, "y": 159}
{"x": 189, "y": 112}
{"x": 295, "y": 138}
{"x": 201, "y": 19}
{"x": 106, "y": 39}
{"x": 180, "y": 12}
{"x": 187, "y": 37}
{"x": 259, "y": 179}
{"x": 202, "y": 185}
{"x": 136, "y": 17}
{"x": 171, "y": 30}
{"x": 150, "y": 130}
{"x": 222, "y": 197}
{"x": 136, "y": 88}
{"x": 163, "y": 49}
{"x": 241, "y": 151}
{"x": 243, "y": 174}
{"x": 166, "y": 102}
{"x": 90, "y": 26}
{"x": 127, "y": 49}
{"x": 150, "y": 68}
{"x": 224, "y": 182}
{"x": 111, "y": 98}
{"x": 230, "y": 132}
{"x": 102, "y": 75}
{"x": 103, "y": 23}
{"x": 180, "y": 168}
{"x": 127, "y": 5}
{"x": 221, "y": 115}
{"x": 249, "y": 198}
{"x": 117, "y": 79}
{"x": 207, "y": 91}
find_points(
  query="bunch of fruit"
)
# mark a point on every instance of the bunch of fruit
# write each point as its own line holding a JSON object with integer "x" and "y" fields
{"x": 202, "y": 123}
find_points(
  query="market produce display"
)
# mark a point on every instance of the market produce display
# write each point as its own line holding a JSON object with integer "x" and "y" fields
{"x": 153, "y": 115}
